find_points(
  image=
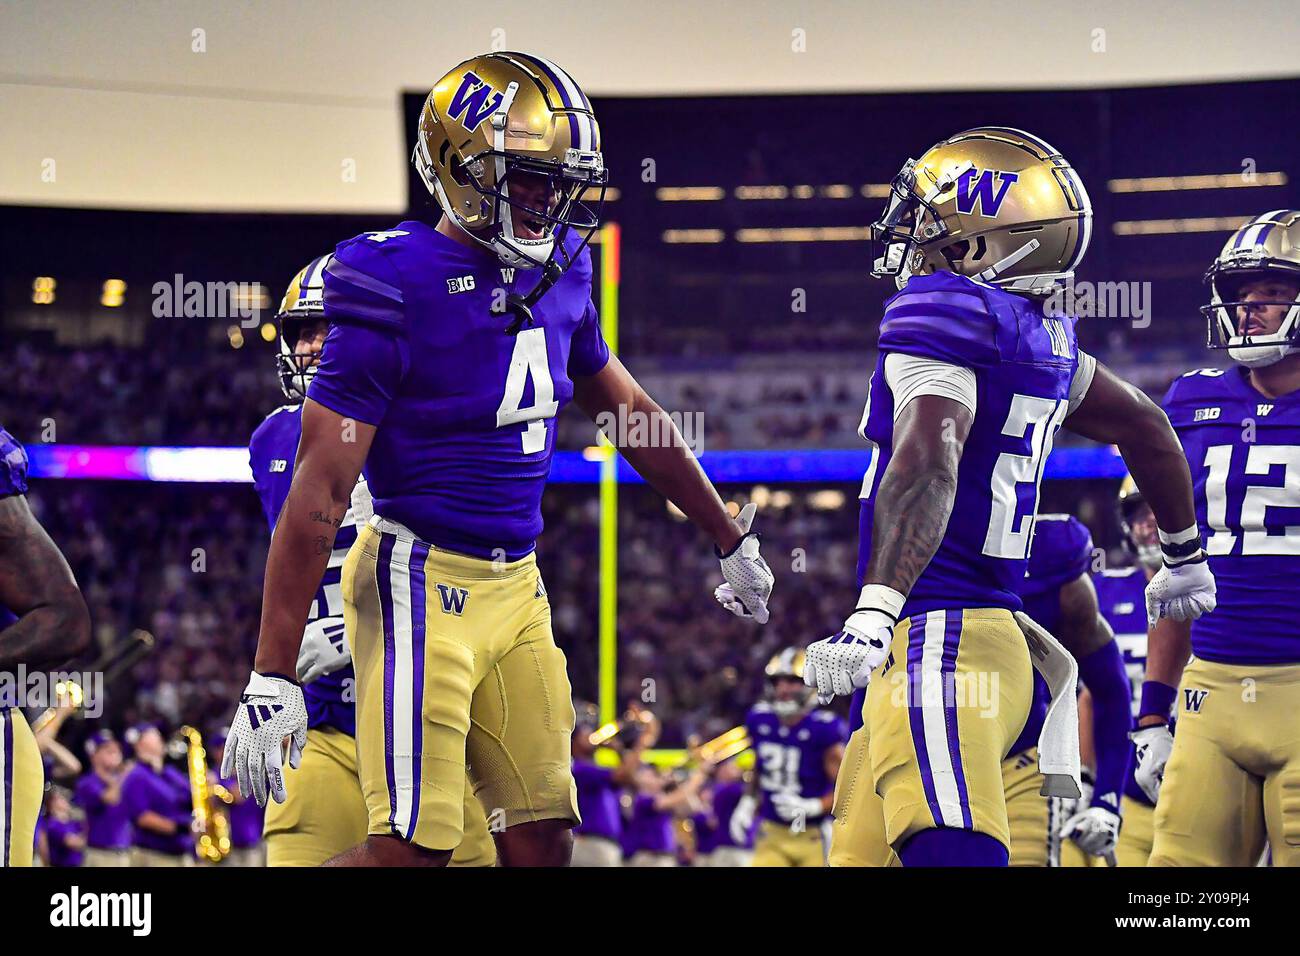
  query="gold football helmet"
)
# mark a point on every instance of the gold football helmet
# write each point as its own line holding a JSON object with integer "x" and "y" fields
{"x": 496, "y": 123}
{"x": 787, "y": 663}
{"x": 303, "y": 303}
{"x": 993, "y": 203}
{"x": 1267, "y": 246}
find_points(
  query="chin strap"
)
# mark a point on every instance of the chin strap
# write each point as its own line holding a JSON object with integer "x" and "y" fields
{"x": 520, "y": 307}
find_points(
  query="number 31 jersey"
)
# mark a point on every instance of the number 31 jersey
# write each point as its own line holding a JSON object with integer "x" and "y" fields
{"x": 1244, "y": 454}
{"x": 465, "y": 412}
{"x": 1023, "y": 364}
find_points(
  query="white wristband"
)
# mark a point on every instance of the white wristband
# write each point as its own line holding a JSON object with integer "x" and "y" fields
{"x": 1181, "y": 537}
{"x": 880, "y": 597}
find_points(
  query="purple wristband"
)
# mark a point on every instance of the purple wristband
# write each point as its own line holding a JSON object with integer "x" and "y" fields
{"x": 1157, "y": 699}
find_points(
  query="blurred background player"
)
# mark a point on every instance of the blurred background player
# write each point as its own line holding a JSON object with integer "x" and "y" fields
{"x": 1120, "y": 597}
{"x": 428, "y": 386}
{"x": 660, "y": 800}
{"x": 158, "y": 801}
{"x": 325, "y": 813}
{"x": 974, "y": 372}
{"x": 99, "y": 795}
{"x": 43, "y": 623}
{"x": 1059, "y": 594}
{"x": 1233, "y": 776}
{"x": 797, "y": 749}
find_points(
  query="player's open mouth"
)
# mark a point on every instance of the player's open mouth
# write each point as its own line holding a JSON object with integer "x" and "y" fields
{"x": 531, "y": 227}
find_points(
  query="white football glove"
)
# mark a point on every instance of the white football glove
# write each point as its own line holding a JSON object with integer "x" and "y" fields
{"x": 1183, "y": 592}
{"x": 843, "y": 662}
{"x": 748, "y": 578}
{"x": 742, "y": 819}
{"x": 791, "y": 807}
{"x": 1095, "y": 830}
{"x": 1154, "y": 744}
{"x": 270, "y": 709}
{"x": 324, "y": 649}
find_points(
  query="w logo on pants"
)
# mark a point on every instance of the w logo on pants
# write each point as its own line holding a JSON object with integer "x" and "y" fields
{"x": 453, "y": 599}
{"x": 1193, "y": 699}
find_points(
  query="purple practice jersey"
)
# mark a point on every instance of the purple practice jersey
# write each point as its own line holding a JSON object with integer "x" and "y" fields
{"x": 465, "y": 412}
{"x": 1023, "y": 362}
{"x": 1242, "y": 447}
{"x": 1121, "y": 596}
{"x": 109, "y": 825}
{"x": 598, "y": 801}
{"x": 1061, "y": 552}
{"x": 271, "y": 454}
{"x": 792, "y": 758}
{"x": 165, "y": 792}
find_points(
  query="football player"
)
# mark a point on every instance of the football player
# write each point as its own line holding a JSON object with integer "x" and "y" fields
{"x": 1058, "y": 593}
{"x": 1045, "y": 831}
{"x": 451, "y": 350}
{"x": 797, "y": 749}
{"x": 43, "y": 623}
{"x": 975, "y": 374}
{"x": 1233, "y": 777}
{"x": 324, "y": 813}
{"x": 1119, "y": 595}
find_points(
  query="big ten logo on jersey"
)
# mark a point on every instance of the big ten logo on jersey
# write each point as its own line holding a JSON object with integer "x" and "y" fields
{"x": 1207, "y": 414}
{"x": 279, "y": 465}
{"x": 460, "y": 284}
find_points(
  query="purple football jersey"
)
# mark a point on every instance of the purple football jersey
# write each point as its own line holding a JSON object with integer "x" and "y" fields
{"x": 13, "y": 466}
{"x": 1242, "y": 447}
{"x": 792, "y": 758}
{"x": 109, "y": 824}
{"x": 331, "y": 698}
{"x": 167, "y": 793}
{"x": 465, "y": 412}
{"x": 1121, "y": 596}
{"x": 1023, "y": 363}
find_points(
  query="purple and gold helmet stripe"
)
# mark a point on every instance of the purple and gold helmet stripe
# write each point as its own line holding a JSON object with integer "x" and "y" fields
{"x": 582, "y": 127}
{"x": 1258, "y": 229}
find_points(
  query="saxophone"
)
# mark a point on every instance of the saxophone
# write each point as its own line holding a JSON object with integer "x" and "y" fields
{"x": 211, "y": 820}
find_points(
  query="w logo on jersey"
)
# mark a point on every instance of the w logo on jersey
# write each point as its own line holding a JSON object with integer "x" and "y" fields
{"x": 1193, "y": 699}
{"x": 453, "y": 599}
{"x": 975, "y": 188}
{"x": 475, "y": 99}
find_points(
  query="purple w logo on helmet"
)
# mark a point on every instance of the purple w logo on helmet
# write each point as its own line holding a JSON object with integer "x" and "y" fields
{"x": 975, "y": 188}
{"x": 472, "y": 99}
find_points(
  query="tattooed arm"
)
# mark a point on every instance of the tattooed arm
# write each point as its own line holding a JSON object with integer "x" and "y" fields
{"x": 916, "y": 493}
{"x": 36, "y": 584}
{"x": 331, "y": 452}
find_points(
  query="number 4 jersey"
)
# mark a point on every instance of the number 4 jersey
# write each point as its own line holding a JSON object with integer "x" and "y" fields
{"x": 465, "y": 412}
{"x": 1244, "y": 453}
{"x": 1018, "y": 370}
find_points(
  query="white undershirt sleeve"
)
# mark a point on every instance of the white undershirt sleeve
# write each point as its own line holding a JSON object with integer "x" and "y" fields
{"x": 1082, "y": 380}
{"x": 909, "y": 376}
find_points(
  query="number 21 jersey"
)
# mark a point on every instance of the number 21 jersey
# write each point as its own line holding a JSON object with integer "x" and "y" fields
{"x": 1023, "y": 365}
{"x": 1244, "y": 453}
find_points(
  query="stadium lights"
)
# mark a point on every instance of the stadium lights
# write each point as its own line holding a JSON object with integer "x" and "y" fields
{"x": 43, "y": 290}
{"x": 236, "y": 336}
{"x": 268, "y": 332}
{"x": 1155, "y": 184}
{"x": 113, "y": 293}
{"x": 692, "y": 235}
{"x": 806, "y": 234}
{"x": 689, "y": 193}
{"x": 1160, "y": 227}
